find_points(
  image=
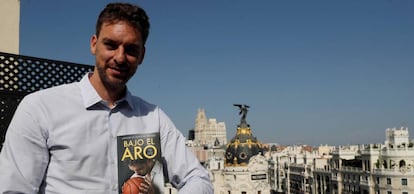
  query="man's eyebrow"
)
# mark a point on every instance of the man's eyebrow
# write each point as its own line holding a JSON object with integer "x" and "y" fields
{"x": 111, "y": 41}
{"x": 108, "y": 40}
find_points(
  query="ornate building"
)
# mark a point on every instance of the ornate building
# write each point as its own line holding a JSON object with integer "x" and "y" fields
{"x": 209, "y": 131}
{"x": 367, "y": 169}
{"x": 246, "y": 169}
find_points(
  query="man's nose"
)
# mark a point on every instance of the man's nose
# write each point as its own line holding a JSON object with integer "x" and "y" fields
{"x": 120, "y": 55}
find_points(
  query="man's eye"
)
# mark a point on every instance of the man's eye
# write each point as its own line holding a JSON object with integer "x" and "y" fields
{"x": 132, "y": 50}
{"x": 110, "y": 46}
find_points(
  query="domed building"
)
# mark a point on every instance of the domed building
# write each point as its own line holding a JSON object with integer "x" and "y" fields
{"x": 243, "y": 146}
{"x": 246, "y": 170}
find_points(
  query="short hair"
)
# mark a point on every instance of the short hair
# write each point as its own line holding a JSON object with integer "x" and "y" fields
{"x": 133, "y": 14}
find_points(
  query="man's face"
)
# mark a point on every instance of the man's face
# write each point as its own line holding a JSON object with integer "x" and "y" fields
{"x": 118, "y": 51}
{"x": 142, "y": 168}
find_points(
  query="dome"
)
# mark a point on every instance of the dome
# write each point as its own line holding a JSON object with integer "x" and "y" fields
{"x": 242, "y": 147}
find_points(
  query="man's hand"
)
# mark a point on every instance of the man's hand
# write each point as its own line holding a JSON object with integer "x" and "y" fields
{"x": 146, "y": 187}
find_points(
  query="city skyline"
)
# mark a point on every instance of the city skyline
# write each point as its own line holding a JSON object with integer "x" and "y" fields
{"x": 313, "y": 72}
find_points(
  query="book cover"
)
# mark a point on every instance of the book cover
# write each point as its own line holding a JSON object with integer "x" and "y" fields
{"x": 139, "y": 164}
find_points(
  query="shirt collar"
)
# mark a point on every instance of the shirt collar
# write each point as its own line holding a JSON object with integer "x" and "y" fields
{"x": 91, "y": 97}
{"x": 128, "y": 99}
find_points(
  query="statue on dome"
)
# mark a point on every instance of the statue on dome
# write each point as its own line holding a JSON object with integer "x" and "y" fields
{"x": 243, "y": 112}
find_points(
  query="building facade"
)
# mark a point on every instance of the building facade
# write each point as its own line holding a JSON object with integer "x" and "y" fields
{"x": 208, "y": 131}
{"x": 9, "y": 26}
{"x": 243, "y": 168}
{"x": 368, "y": 169}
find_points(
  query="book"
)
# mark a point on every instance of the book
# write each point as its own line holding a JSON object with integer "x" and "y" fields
{"x": 140, "y": 164}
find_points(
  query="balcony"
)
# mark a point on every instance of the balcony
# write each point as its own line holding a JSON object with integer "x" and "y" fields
{"x": 393, "y": 172}
{"x": 21, "y": 75}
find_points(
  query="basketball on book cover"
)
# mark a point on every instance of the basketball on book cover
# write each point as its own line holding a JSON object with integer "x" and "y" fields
{"x": 132, "y": 185}
{"x": 139, "y": 155}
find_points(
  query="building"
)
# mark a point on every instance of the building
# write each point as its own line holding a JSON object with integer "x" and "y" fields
{"x": 245, "y": 169}
{"x": 209, "y": 131}
{"x": 368, "y": 169}
{"x": 294, "y": 167}
{"x": 9, "y": 22}
{"x": 208, "y": 139}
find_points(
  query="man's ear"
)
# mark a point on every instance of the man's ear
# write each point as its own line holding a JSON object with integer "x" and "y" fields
{"x": 94, "y": 40}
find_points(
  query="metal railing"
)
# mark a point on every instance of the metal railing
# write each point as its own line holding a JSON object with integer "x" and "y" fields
{"x": 21, "y": 75}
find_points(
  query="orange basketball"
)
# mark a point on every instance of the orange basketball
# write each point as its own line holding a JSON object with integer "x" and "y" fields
{"x": 131, "y": 186}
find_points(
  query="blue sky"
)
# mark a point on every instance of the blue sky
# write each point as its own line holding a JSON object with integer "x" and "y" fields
{"x": 313, "y": 72}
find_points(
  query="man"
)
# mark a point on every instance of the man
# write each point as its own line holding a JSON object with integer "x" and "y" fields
{"x": 64, "y": 139}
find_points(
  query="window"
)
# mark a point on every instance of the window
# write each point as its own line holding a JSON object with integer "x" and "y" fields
{"x": 404, "y": 192}
{"x": 388, "y": 181}
{"x": 404, "y": 181}
{"x": 389, "y": 192}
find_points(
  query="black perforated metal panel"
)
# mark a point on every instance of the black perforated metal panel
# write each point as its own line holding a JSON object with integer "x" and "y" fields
{"x": 20, "y": 75}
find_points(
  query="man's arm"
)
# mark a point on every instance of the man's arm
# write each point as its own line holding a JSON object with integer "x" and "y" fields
{"x": 24, "y": 157}
{"x": 184, "y": 170}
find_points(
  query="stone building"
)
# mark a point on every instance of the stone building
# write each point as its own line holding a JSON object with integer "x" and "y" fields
{"x": 10, "y": 25}
{"x": 368, "y": 169}
{"x": 246, "y": 169}
{"x": 208, "y": 131}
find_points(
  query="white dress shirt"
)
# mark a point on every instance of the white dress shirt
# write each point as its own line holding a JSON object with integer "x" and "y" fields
{"x": 63, "y": 140}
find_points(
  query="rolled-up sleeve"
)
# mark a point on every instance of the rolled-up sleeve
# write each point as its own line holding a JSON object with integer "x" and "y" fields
{"x": 184, "y": 169}
{"x": 24, "y": 157}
